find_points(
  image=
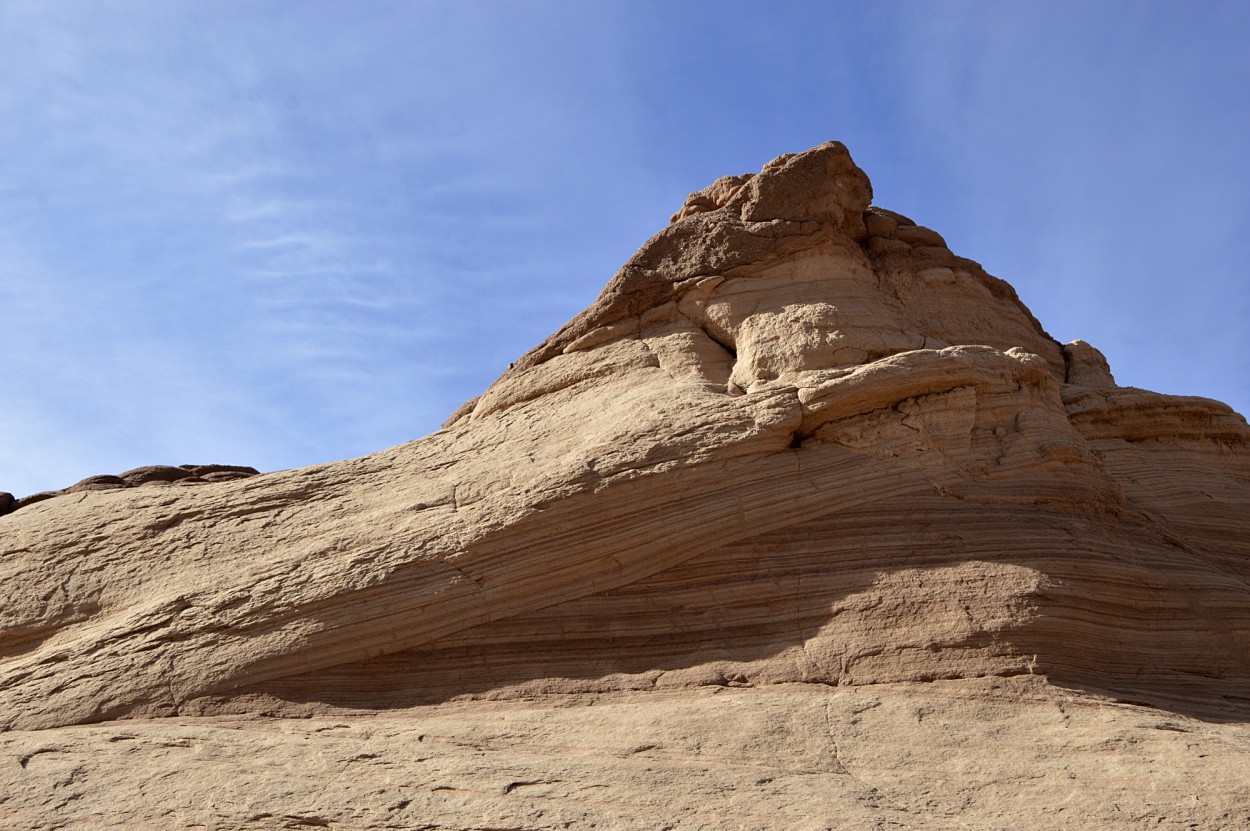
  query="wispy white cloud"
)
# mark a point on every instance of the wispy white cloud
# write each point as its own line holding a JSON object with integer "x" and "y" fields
{"x": 1090, "y": 159}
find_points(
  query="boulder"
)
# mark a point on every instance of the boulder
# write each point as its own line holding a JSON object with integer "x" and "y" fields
{"x": 154, "y": 473}
{"x": 97, "y": 483}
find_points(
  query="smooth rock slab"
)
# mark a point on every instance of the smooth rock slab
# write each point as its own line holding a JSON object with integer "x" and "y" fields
{"x": 971, "y": 755}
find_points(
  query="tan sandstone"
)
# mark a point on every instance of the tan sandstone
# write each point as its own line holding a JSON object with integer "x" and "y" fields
{"x": 805, "y": 523}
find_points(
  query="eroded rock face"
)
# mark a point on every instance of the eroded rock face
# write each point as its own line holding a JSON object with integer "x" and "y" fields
{"x": 795, "y": 441}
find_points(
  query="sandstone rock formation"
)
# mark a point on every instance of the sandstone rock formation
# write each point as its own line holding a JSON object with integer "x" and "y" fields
{"x": 805, "y": 523}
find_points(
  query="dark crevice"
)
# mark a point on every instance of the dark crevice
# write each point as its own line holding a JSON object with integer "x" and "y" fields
{"x": 1067, "y": 364}
{"x": 724, "y": 343}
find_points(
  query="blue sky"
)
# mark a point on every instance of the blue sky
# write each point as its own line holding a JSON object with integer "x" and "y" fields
{"x": 278, "y": 233}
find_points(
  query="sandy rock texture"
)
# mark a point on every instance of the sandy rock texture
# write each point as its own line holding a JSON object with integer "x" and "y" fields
{"x": 805, "y": 523}
{"x": 979, "y": 755}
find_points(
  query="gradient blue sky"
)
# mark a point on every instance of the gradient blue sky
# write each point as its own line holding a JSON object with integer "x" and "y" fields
{"x": 280, "y": 233}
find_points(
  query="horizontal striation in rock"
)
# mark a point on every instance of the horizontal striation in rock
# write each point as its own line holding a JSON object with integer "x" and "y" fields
{"x": 917, "y": 588}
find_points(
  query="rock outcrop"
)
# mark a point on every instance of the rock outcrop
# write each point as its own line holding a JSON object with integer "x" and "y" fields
{"x": 139, "y": 477}
{"x": 801, "y": 478}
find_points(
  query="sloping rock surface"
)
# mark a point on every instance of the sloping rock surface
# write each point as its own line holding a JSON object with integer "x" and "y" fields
{"x": 805, "y": 523}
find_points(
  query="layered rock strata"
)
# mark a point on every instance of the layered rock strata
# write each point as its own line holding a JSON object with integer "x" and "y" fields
{"x": 796, "y": 441}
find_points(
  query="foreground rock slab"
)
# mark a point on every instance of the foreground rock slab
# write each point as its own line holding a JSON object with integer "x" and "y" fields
{"x": 946, "y": 755}
{"x": 798, "y": 458}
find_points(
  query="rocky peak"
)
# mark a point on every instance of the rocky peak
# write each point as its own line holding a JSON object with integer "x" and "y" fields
{"x": 780, "y": 278}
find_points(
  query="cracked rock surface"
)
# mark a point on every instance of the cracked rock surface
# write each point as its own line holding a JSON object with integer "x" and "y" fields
{"x": 805, "y": 523}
